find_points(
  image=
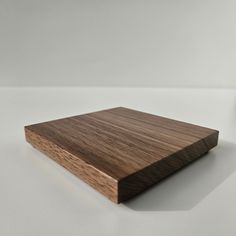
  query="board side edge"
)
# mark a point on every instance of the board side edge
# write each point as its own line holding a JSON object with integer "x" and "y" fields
{"x": 100, "y": 181}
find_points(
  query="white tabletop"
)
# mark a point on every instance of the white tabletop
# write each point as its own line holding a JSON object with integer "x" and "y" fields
{"x": 39, "y": 197}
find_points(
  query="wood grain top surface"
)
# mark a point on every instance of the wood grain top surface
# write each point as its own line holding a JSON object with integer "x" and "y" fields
{"x": 120, "y": 142}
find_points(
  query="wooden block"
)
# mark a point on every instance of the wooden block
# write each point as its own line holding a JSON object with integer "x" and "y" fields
{"x": 121, "y": 152}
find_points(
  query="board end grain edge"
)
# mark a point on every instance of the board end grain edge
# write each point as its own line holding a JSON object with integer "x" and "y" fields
{"x": 138, "y": 182}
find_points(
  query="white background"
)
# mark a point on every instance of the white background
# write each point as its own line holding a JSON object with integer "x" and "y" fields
{"x": 164, "y": 43}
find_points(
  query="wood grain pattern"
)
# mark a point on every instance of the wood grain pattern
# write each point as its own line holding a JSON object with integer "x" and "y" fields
{"x": 121, "y": 152}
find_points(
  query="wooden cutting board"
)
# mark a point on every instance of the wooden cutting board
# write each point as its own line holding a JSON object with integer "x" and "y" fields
{"x": 121, "y": 152}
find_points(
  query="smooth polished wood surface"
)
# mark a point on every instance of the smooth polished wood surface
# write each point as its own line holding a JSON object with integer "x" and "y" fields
{"x": 121, "y": 152}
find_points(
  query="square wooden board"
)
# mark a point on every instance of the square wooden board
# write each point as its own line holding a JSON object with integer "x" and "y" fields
{"x": 121, "y": 152}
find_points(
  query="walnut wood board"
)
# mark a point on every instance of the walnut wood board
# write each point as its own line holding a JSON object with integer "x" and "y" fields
{"x": 121, "y": 152}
